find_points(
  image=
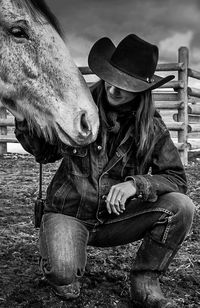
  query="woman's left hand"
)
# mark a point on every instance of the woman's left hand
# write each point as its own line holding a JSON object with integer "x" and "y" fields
{"x": 118, "y": 194}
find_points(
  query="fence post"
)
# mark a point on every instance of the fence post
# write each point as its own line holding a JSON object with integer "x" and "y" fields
{"x": 183, "y": 56}
{"x": 3, "y": 130}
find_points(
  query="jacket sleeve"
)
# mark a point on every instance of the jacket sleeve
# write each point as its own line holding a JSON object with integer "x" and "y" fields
{"x": 43, "y": 151}
{"x": 167, "y": 172}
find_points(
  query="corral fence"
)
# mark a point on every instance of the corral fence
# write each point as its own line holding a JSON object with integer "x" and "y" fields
{"x": 176, "y": 101}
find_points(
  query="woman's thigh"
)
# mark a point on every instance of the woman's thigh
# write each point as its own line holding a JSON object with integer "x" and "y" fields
{"x": 167, "y": 220}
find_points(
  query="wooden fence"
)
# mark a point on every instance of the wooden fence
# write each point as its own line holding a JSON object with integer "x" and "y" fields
{"x": 175, "y": 96}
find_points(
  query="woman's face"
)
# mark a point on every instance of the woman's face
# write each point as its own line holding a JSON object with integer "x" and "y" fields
{"x": 117, "y": 96}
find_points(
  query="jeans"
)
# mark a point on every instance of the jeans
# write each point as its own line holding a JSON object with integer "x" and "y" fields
{"x": 162, "y": 225}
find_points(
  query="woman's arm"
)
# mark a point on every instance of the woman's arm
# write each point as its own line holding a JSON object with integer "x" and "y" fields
{"x": 43, "y": 151}
{"x": 167, "y": 174}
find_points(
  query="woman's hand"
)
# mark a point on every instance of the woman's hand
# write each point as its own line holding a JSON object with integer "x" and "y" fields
{"x": 116, "y": 199}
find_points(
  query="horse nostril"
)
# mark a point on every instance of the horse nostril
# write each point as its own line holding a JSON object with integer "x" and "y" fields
{"x": 84, "y": 124}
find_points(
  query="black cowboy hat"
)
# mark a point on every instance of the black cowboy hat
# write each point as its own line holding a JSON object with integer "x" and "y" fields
{"x": 129, "y": 66}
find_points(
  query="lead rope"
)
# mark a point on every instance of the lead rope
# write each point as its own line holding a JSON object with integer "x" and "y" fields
{"x": 40, "y": 183}
{"x": 39, "y": 203}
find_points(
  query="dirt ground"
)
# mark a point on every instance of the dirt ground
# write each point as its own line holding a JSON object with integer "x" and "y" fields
{"x": 106, "y": 281}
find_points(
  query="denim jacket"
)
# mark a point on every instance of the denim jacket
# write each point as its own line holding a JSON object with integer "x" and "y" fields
{"x": 86, "y": 174}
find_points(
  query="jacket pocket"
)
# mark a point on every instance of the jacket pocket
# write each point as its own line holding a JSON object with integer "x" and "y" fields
{"x": 78, "y": 162}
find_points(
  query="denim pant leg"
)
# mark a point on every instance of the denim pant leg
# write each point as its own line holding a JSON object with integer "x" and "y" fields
{"x": 163, "y": 225}
{"x": 63, "y": 241}
{"x": 162, "y": 242}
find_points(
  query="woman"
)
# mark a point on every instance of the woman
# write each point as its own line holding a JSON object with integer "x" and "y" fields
{"x": 128, "y": 185}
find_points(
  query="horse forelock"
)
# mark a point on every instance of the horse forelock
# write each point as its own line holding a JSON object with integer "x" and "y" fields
{"x": 39, "y": 9}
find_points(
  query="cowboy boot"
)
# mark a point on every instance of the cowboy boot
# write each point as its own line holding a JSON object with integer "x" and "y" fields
{"x": 65, "y": 292}
{"x": 146, "y": 291}
{"x": 152, "y": 259}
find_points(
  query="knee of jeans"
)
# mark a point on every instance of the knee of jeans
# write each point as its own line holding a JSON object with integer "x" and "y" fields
{"x": 63, "y": 272}
{"x": 182, "y": 207}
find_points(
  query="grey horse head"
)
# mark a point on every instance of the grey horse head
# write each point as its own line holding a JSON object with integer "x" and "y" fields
{"x": 39, "y": 81}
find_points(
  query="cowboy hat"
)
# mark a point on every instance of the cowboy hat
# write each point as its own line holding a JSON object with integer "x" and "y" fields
{"x": 129, "y": 66}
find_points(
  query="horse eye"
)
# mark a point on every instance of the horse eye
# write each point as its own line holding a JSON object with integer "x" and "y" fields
{"x": 18, "y": 32}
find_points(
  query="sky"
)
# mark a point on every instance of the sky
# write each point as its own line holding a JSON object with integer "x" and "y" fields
{"x": 169, "y": 24}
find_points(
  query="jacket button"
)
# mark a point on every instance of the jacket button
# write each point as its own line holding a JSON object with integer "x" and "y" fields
{"x": 74, "y": 151}
{"x": 99, "y": 148}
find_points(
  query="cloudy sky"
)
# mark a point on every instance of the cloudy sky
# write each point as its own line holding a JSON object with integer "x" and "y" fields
{"x": 167, "y": 23}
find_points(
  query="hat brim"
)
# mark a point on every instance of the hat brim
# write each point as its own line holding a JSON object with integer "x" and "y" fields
{"x": 99, "y": 62}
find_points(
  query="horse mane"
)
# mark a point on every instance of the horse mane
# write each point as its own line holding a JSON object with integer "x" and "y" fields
{"x": 39, "y": 8}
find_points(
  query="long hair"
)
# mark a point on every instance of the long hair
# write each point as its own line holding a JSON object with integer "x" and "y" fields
{"x": 144, "y": 130}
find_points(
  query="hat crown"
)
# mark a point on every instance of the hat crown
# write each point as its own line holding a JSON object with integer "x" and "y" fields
{"x": 136, "y": 57}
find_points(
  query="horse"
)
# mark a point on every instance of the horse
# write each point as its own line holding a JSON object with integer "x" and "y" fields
{"x": 39, "y": 81}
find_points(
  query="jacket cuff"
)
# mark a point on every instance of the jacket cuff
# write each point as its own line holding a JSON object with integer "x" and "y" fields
{"x": 144, "y": 188}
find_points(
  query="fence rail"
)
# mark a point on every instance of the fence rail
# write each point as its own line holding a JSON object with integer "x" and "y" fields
{"x": 181, "y": 99}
